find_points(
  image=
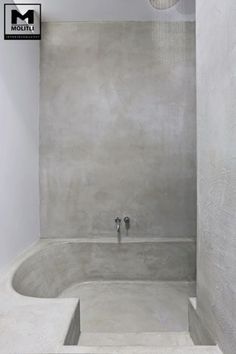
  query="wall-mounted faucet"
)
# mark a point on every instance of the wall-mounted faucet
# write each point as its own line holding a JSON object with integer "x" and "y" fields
{"x": 118, "y": 222}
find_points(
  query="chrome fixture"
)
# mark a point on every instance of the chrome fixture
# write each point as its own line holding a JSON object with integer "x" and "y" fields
{"x": 163, "y": 4}
{"x": 127, "y": 224}
{"x": 118, "y": 223}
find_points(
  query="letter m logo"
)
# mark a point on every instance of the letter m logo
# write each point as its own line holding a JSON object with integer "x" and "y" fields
{"x": 28, "y": 15}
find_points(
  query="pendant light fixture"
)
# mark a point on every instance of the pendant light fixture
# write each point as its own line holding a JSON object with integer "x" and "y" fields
{"x": 163, "y": 4}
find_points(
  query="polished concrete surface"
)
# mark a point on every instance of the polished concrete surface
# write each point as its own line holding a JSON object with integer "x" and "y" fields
{"x": 159, "y": 339}
{"x": 148, "y": 350}
{"x": 31, "y": 325}
{"x": 216, "y": 288}
{"x": 133, "y": 306}
{"x": 59, "y": 264}
{"x": 118, "y": 128}
{"x": 199, "y": 333}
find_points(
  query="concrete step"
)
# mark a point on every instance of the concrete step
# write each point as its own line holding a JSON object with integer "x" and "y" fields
{"x": 149, "y": 350}
{"x": 159, "y": 339}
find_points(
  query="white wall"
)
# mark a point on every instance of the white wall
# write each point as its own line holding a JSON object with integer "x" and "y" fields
{"x": 19, "y": 115}
{"x": 216, "y": 107}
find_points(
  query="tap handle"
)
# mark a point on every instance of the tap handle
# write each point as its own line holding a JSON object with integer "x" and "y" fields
{"x": 127, "y": 220}
{"x": 117, "y": 220}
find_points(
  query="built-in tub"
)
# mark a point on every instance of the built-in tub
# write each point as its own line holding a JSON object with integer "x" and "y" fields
{"x": 57, "y": 265}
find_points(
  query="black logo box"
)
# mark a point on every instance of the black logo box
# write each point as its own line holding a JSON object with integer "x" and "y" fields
{"x": 23, "y": 36}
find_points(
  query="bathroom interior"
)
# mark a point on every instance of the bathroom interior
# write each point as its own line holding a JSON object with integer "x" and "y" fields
{"x": 118, "y": 179}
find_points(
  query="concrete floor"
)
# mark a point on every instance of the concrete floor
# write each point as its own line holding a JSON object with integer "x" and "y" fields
{"x": 128, "y": 307}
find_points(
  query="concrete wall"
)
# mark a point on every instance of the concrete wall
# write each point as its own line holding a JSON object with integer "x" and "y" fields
{"x": 19, "y": 120}
{"x": 113, "y": 10}
{"x": 117, "y": 128}
{"x": 216, "y": 87}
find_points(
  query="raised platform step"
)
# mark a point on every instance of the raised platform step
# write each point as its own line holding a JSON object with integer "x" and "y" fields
{"x": 149, "y": 350}
{"x": 159, "y": 339}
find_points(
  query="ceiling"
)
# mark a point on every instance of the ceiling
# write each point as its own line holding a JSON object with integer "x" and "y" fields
{"x": 112, "y": 10}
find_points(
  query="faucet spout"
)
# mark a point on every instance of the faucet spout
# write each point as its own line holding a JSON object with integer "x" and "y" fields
{"x": 118, "y": 223}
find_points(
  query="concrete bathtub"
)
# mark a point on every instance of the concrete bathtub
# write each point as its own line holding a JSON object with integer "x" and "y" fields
{"x": 58, "y": 265}
{"x": 66, "y": 296}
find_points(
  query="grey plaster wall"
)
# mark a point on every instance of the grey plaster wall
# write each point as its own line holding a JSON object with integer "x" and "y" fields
{"x": 117, "y": 128}
{"x": 114, "y": 10}
{"x": 216, "y": 84}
